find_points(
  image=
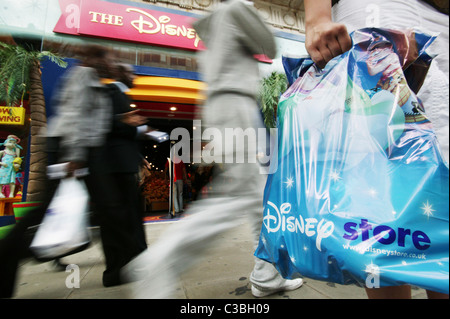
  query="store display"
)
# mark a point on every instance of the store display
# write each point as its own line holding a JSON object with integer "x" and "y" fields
{"x": 155, "y": 189}
{"x": 10, "y": 162}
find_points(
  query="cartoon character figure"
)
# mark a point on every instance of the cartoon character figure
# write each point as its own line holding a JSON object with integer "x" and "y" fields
{"x": 17, "y": 162}
{"x": 10, "y": 162}
{"x": 384, "y": 60}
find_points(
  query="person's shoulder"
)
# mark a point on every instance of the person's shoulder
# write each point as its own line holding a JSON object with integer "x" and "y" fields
{"x": 79, "y": 69}
{"x": 86, "y": 75}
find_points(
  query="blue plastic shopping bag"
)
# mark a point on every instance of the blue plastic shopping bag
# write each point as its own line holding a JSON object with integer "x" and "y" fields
{"x": 360, "y": 191}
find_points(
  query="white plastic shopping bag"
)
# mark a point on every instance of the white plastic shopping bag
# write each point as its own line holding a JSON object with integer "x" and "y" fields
{"x": 64, "y": 229}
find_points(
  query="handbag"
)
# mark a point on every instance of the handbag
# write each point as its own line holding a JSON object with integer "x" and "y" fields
{"x": 64, "y": 228}
{"x": 361, "y": 191}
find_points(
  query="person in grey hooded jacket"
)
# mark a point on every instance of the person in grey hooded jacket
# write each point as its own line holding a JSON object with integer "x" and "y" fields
{"x": 233, "y": 35}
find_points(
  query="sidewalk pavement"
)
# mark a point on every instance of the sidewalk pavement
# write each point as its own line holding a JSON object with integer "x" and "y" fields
{"x": 222, "y": 273}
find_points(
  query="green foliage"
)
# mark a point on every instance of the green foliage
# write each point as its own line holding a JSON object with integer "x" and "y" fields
{"x": 270, "y": 91}
{"x": 15, "y": 65}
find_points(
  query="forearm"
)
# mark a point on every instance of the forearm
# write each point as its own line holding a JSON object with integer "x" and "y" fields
{"x": 317, "y": 11}
{"x": 324, "y": 38}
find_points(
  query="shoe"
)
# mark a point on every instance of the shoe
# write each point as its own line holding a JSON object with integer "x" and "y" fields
{"x": 111, "y": 278}
{"x": 288, "y": 285}
{"x": 111, "y": 282}
{"x": 58, "y": 265}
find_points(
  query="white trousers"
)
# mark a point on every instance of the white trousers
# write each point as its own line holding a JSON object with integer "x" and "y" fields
{"x": 236, "y": 192}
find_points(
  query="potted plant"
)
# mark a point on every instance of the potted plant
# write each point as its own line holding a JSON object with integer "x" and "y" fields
{"x": 270, "y": 91}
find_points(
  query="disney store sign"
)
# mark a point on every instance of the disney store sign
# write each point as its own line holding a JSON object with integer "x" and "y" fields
{"x": 126, "y": 23}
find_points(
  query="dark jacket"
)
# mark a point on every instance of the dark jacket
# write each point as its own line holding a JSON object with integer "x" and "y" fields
{"x": 122, "y": 146}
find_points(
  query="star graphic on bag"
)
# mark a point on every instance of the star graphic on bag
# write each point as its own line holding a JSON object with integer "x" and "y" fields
{"x": 372, "y": 269}
{"x": 427, "y": 209}
{"x": 335, "y": 176}
{"x": 290, "y": 182}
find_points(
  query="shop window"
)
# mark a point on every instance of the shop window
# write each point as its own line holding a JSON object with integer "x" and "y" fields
{"x": 156, "y": 58}
{"x": 178, "y": 63}
{"x": 182, "y": 62}
{"x": 146, "y": 58}
{"x": 152, "y": 59}
{"x": 126, "y": 55}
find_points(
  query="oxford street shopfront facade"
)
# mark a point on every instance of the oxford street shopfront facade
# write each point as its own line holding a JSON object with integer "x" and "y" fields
{"x": 156, "y": 37}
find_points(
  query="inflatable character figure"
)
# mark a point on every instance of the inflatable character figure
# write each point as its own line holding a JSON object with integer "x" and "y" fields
{"x": 10, "y": 162}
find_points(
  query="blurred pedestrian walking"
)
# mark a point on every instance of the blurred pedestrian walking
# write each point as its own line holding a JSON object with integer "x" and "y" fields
{"x": 233, "y": 34}
{"x": 123, "y": 160}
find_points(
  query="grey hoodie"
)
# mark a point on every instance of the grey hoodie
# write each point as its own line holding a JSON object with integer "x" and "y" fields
{"x": 233, "y": 34}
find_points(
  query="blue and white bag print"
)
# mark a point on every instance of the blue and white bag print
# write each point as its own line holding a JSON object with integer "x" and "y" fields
{"x": 361, "y": 192}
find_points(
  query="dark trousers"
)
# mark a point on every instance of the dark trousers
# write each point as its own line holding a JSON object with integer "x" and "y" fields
{"x": 131, "y": 199}
{"x": 116, "y": 205}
